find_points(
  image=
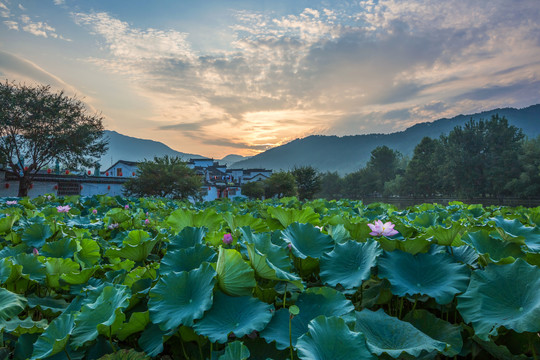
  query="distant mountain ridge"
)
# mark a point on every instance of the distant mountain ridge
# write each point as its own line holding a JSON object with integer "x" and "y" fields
{"x": 349, "y": 153}
{"x": 123, "y": 147}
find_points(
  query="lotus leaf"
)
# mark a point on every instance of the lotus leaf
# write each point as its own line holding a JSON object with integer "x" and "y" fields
{"x": 497, "y": 250}
{"x": 56, "y": 267}
{"x": 188, "y": 237}
{"x": 153, "y": 338}
{"x": 386, "y": 334}
{"x": 238, "y": 315}
{"x": 514, "y": 231}
{"x": 235, "y": 276}
{"x": 329, "y": 338}
{"x": 136, "y": 252}
{"x": 11, "y": 304}
{"x": 179, "y": 298}
{"x": 18, "y": 327}
{"x": 306, "y": 240}
{"x": 502, "y": 295}
{"x": 137, "y": 322}
{"x": 235, "y": 351}
{"x": 267, "y": 270}
{"x": 55, "y": 337}
{"x": 312, "y": 303}
{"x": 437, "y": 329}
{"x": 437, "y": 275}
{"x": 103, "y": 311}
{"x": 288, "y": 216}
{"x": 349, "y": 264}
{"x": 182, "y": 218}
{"x": 88, "y": 254}
{"x": 32, "y": 268}
{"x": 6, "y": 223}
{"x": 8, "y": 271}
{"x": 63, "y": 248}
{"x": 47, "y": 304}
{"x": 186, "y": 259}
{"x": 35, "y": 235}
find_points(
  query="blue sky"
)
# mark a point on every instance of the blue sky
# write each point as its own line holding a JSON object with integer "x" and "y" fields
{"x": 220, "y": 77}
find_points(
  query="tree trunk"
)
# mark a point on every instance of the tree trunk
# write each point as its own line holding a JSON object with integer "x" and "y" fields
{"x": 24, "y": 185}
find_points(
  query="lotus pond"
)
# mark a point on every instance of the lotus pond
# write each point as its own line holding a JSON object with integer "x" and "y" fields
{"x": 118, "y": 278}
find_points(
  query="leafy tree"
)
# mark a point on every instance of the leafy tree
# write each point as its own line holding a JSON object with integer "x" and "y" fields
{"x": 253, "y": 189}
{"x": 280, "y": 184}
{"x": 422, "y": 174}
{"x": 166, "y": 177}
{"x": 38, "y": 127}
{"x": 308, "y": 181}
{"x": 527, "y": 184}
{"x": 382, "y": 166}
{"x": 331, "y": 186}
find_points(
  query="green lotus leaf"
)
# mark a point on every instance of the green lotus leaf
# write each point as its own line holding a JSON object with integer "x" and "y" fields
{"x": 350, "y": 263}
{"x": 55, "y": 337}
{"x": 287, "y": 217}
{"x": 265, "y": 269}
{"x": 497, "y": 250}
{"x": 136, "y": 237}
{"x": 77, "y": 278}
{"x": 117, "y": 215}
{"x": 424, "y": 219}
{"x": 13, "y": 250}
{"x": 307, "y": 240}
{"x": 49, "y": 304}
{"x": 56, "y": 267}
{"x": 136, "y": 252}
{"x": 514, "y": 230}
{"x": 446, "y": 235}
{"x": 437, "y": 329}
{"x": 188, "y": 237}
{"x": 277, "y": 255}
{"x": 330, "y": 338}
{"x": 235, "y": 276}
{"x": 181, "y": 218}
{"x": 63, "y": 248}
{"x": 153, "y": 338}
{"x": 35, "y": 235}
{"x": 412, "y": 245}
{"x": 6, "y": 223}
{"x": 32, "y": 268}
{"x": 465, "y": 254}
{"x": 179, "y": 298}
{"x": 312, "y": 303}
{"x": 24, "y": 346}
{"x": 499, "y": 351}
{"x": 84, "y": 223}
{"x": 434, "y": 275}
{"x": 89, "y": 254}
{"x": 339, "y": 233}
{"x": 502, "y": 295}
{"x": 9, "y": 272}
{"x": 357, "y": 228}
{"x": 18, "y": 327}
{"x": 386, "y": 334}
{"x": 137, "y": 322}
{"x": 124, "y": 354}
{"x": 238, "y": 315}
{"x": 247, "y": 220}
{"x": 235, "y": 351}
{"x": 186, "y": 259}
{"x": 103, "y": 311}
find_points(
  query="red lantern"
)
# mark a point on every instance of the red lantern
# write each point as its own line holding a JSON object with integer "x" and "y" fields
{"x": 109, "y": 187}
{"x": 81, "y": 187}
{"x": 55, "y": 187}
{"x": 26, "y": 168}
{"x": 89, "y": 172}
{"x": 107, "y": 173}
{"x": 31, "y": 186}
{"x": 133, "y": 173}
{"x": 7, "y": 186}
{"x": 209, "y": 188}
{"x": 67, "y": 172}
{"x": 120, "y": 174}
{"x": 49, "y": 171}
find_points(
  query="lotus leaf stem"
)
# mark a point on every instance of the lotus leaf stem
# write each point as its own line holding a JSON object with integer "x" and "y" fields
{"x": 67, "y": 354}
{"x": 211, "y": 349}
{"x": 400, "y": 308}
{"x": 285, "y": 296}
{"x": 415, "y": 302}
{"x": 290, "y": 336}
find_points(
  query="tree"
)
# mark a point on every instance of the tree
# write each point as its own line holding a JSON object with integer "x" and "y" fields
{"x": 166, "y": 177}
{"x": 280, "y": 184}
{"x": 308, "y": 181}
{"x": 253, "y": 189}
{"x": 527, "y": 184}
{"x": 39, "y": 127}
{"x": 422, "y": 174}
{"x": 331, "y": 186}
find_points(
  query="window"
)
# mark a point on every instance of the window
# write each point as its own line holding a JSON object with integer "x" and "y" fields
{"x": 118, "y": 171}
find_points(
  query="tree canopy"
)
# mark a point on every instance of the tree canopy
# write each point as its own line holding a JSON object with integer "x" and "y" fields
{"x": 308, "y": 181}
{"x": 39, "y": 126}
{"x": 166, "y": 177}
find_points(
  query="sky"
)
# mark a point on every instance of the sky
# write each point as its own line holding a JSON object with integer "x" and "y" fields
{"x": 220, "y": 77}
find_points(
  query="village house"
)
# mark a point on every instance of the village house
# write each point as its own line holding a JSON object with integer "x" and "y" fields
{"x": 218, "y": 181}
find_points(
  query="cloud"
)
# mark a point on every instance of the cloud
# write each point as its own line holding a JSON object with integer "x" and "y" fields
{"x": 22, "y": 7}
{"x": 59, "y": 2}
{"x": 12, "y": 25}
{"x": 39, "y": 28}
{"x": 374, "y": 66}
{"x": 4, "y": 11}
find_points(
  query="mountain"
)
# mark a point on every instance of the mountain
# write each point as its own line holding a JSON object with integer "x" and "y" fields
{"x": 232, "y": 158}
{"x": 122, "y": 147}
{"x": 346, "y": 154}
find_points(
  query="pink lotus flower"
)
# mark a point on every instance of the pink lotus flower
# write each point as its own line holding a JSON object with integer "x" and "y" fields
{"x": 227, "y": 239}
{"x": 146, "y": 222}
{"x": 35, "y": 252}
{"x": 126, "y": 207}
{"x": 14, "y": 202}
{"x": 380, "y": 229}
{"x": 94, "y": 212}
{"x": 289, "y": 245}
{"x": 63, "y": 209}
{"x": 113, "y": 226}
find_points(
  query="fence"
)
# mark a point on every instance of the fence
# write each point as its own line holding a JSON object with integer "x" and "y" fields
{"x": 403, "y": 202}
